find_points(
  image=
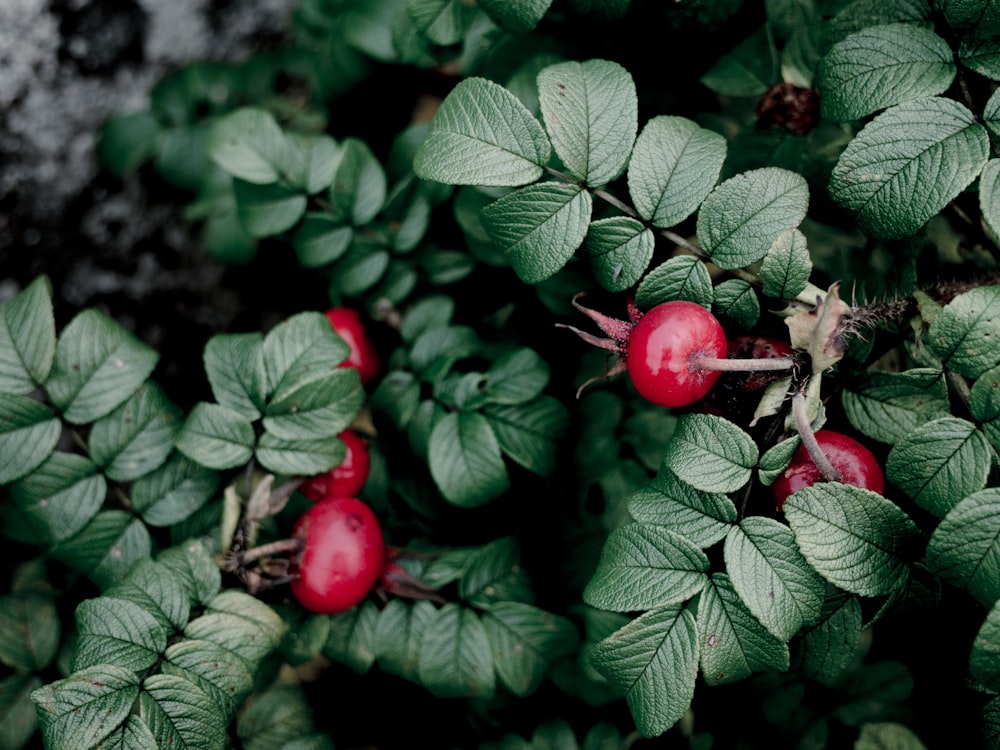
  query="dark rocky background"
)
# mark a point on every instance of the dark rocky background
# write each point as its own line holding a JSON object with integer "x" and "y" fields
{"x": 66, "y": 66}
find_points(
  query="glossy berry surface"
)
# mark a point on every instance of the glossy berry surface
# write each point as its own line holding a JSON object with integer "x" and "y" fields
{"x": 363, "y": 357}
{"x": 347, "y": 478}
{"x": 342, "y": 556}
{"x": 662, "y": 348}
{"x": 853, "y": 461}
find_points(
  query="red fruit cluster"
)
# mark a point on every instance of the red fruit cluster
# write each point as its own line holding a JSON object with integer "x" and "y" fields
{"x": 364, "y": 357}
{"x": 348, "y": 478}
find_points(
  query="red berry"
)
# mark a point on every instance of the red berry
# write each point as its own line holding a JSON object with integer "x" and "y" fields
{"x": 853, "y": 461}
{"x": 348, "y": 478}
{"x": 663, "y": 347}
{"x": 363, "y": 357}
{"x": 342, "y": 555}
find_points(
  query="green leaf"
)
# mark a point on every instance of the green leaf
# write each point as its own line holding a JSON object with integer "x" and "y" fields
{"x": 772, "y": 577}
{"x": 539, "y": 227}
{"x": 710, "y": 453}
{"x": 965, "y": 333}
{"x": 224, "y": 676}
{"x": 493, "y": 573}
{"x": 681, "y": 277}
{"x": 984, "y": 662}
{"x": 482, "y": 135}
{"x": 861, "y": 14}
{"x": 180, "y": 714}
{"x": 525, "y": 642}
{"x": 217, "y": 437}
{"x": 173, "y": 492}
{"x": 776, "y": 459}
{"x": 127, "y": 142}
{"x": 455, "y": 657}
{"x": 964, "y": 549}
{"x": 398, "y": 633}
{"x": 299, "y": 457}
{"x": 240, "y": 623}
{"x": 972, "y": 13}
{"x": 886, "y": 178}
{"x": 591, "y": 111}
{"x": 107, "y": 547}
{"x": 889, "y": 406}
{"x": 300, "y": 349}
{"x": 366, "y": 263}
{"x": 305, "y": 637}
{"x": 829, "y": 646}
{"x": 82, "y": 710}
{"x": 530, "y": 433}
{"x": 61, "y": 496}
{"x": 787, "y": 266}
{"x": 749, "y": 69}
{"x": 736, "y": 299}
{"x": 119, "y": 632}
{"x": 156, "y": 590}
{"x": 18, "y": 719}
{"x": 27, "y": 338}
{"x": 321, "y": 239}
{"x": 882, "y": 735}
{"x": 642, "y": 567}
{"x": 733, "y": 643}
{"x": 517, "y": 16}
{"x": 29, "y": 432}
{"x": 939, "y": 463}
{"x": 991, "y": 114}
{"x": 267, "y": 210}
{"x": 98, "y": 365}
{"x": 250, "y": 145}
{"x": 234, "y": 363}
{"x": 881, "y": 66}
{"x": 351, "y": 640}
{"x": 873, "y": 691}
{"x": 854, "y": 538}
{"x": 311, "y": 161}
{"x": 29, "y": 630}
{"x": 137, "y": 437}
{"x": 653, "y": 661}
{"x": 743, "y": 217}
{"x": 465, "y": 461}
{"x": 984, "y": 404}
{"x": 981, "y": 54}
{"x": 321, "y": 407}
{"x": 674, "y": 166}
{"x": 619, "y": 249}
{"x": 989, "y": 195}
{"x": 516, "y": 377}
{"x": 359, "y": 184}
{"x": 195, "y": 569}
{"x": 702, "y": 517}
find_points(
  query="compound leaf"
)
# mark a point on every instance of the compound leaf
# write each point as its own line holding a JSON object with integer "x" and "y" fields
{"x": 465, "y": 460}
{"x": 359, "y": 186}
{"x": 889, "y": 406}
{"x": 619, "y": 249}
{"x": 107, "y": 547}
{"x": 829, "y": 646}
{"x": 653, "y": 661}
{"x": 787, "y": 266}
{"x": 351, "y": 639}
{"x": 117, "y": 631}
{"x": 29, "y": 433}
{"x": 939, "y": 463}
{"x": 320, "y": 407}
{"x": 909, "y": 163}
{"x": 455, "y": 656}
{"x": 299, "y": 457}
{"x": 772, "y": 577}
{"x": 180, "y": 714}
{"x": 734, "y": 644}
{"x": 964, "y": 549}
{"x": 174, "y": 491}
{"x": 525, "y": 642}
{"x": 674, "y": 166}
{"x": 249, "y": 144}
{"x": 98, "y": 365}
{"x": 529, "y": 433}
{"x": 710, "y": 453}
{"x": 216, "y": 436}
{"x": 964, "y": 334}
{"x": 883, "y": 65}
{"x": 539, "y": 227}
{"x": 702, "y": 517}
{"x": 854, "y": 538}
{"x": 742, "y": 217}
{"x": 681, "y": 277}
{"x": 27, "y": 338}
{"x": 267, "y": 210}
{"x": 234, "y": 363}
{"x": 60, "y": 496}
{"x": 643, "y": 566}
{"x": 590, "y": 110}
{"x": 482, "y": 135}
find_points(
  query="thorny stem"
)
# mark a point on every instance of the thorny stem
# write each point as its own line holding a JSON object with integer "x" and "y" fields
{"x": 812, "y": 445}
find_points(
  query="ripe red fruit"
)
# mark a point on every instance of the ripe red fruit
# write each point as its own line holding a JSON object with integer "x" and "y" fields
{"x": 363, "y": 357}
{"x": 342, "y": 555}
{"x": 757, "y": 347}
{"x": 853, "y": 461}
{"x": 348, "y": 478}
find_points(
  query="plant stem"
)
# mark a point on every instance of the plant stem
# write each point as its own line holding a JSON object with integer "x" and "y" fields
{"x": 274, "y": 548}
{"x": 702, "y": 362}
{"x": 812, "y": 445}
